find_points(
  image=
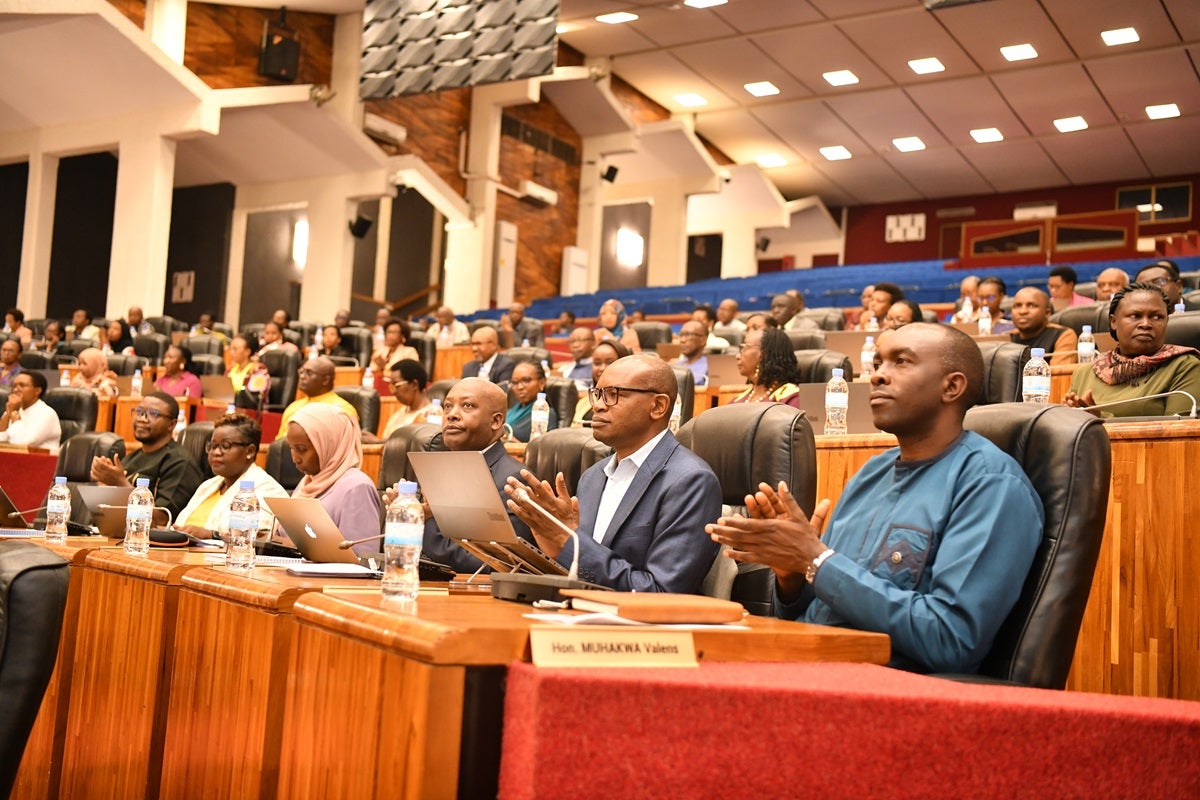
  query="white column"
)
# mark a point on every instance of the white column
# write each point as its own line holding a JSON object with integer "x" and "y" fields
{"x": 347, "y": 54}
{"x": 166, "y": 22}
{"x": 739, "y": 254}
{"x": 33, "y": 286}
{"x": 667, "y": 247}
{"x": 329, "y": 273}
{"x": 141, "y": 224}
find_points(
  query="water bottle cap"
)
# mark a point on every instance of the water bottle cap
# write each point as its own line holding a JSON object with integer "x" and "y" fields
{"x": 59, "y": 480}
{"x": 1087, "y": 328}
{"x": 246, "y": 485}
{"x": 407, "y": 487}
{"x": 143, "y": 483}
{"x": 541, "y": 395}
{"x": 837, "y": 373}
{"x": 137, "y": 372}
{"x": 870, "y": 340}
{"x": 437, "y": 401}
{"x": 1038, "y": 352}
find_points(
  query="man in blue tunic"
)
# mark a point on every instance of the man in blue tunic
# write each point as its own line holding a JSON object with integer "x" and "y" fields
{"x": 931, "y": 542}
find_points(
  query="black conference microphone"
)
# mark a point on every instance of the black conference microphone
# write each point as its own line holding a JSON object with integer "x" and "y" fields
{"x": 1127, "y": 401}
{"x": 22, "y": 514}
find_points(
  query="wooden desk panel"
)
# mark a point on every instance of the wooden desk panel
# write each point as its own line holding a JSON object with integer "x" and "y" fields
{"x": 448, "y": 362}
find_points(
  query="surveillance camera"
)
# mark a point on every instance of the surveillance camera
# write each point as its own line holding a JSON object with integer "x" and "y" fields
{"x": 726, "y": 175}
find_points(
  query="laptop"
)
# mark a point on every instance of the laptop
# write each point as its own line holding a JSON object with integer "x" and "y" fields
{"x": 668, "y": 351}
{"x": 309, "y": 528}
{"x": 462, "y": 496}
{"x": 858, "y": 417}
{"x": 12, "y": 524}
{"x": 106, "y": 505}
{"x": 218, "y": 388}
{"x": 723, "y": 371}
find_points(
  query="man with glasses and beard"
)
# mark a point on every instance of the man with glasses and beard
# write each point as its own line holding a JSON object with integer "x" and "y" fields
{"x": 640, "y": 513}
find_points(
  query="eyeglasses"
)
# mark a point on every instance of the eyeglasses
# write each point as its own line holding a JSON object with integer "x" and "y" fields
{"x": 397, "y": 384}
{"x": 221, "y": 448}
{"x": 693, "y": 336}
{"x": 149, "y": 413}
{"x": 1161, "y": 282}
{"x": 522, "y": 381}
{"x": 611, "y": 395}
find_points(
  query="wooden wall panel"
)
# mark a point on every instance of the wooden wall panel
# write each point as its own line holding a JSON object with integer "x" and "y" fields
{"x": 134, "y": 10}
{"x": 433, "y": 122}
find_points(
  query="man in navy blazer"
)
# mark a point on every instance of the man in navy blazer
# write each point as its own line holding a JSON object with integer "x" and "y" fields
{"x": 640, "y": 513}
{"x": 489, "y": 363}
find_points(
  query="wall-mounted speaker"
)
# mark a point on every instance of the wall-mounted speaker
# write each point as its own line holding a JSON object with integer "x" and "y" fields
{"x": 609, "y": 174}
{"x": 360, "y": 226}
{"x": 279, "y": 51}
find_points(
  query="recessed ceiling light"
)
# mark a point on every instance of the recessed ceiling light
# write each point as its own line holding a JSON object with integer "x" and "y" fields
{"x": 770, "y": 160}
{"x": 704, "y": 3}
{"x": 924, "y": 66}
{"x": 1120, "y": 36}
{"x": 985, "y": 135}
{"x": 1016, "y": 52}
{"x": 1165, "y": 111}
{"x": 908, "y": 144}
{"x": 836, "y": 153}
{"x": 761, "y": 88}
{"x": 841, "y": 77}
{"x": 1070, "y": 124}
{"x": 616, "y": 18}
{"x": 690, "y": 100}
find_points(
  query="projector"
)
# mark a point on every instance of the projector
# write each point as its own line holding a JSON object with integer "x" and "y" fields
{"x": 536, "y": 193}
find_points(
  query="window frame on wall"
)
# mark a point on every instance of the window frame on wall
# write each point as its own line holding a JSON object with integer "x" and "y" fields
{"x": 1148, "y": 194}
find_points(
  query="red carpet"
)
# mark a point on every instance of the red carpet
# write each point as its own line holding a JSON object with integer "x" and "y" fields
{"x": 833, "y": 731}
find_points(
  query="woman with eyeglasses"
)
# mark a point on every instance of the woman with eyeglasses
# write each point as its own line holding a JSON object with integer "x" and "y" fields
{"x": 408, "y": 383}
{"x": 231, "y": 454}
{"x": 768, "y": 363}
{"x": 603, "y": 356}
{"x": 1141, "y": 364}
{"x": 527, "y": 380}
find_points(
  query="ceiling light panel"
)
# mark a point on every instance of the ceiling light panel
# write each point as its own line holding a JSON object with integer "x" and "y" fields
{"x": 1070, "y": 124}
{"x": 690, "y": 100}
{"x": 986, "y": 135}
{"x": 616, "y": 18}
{"x": 835, "y": 153}
{"x": 704, "y": 3}
{"x": 761, "y": 88}
{"x": 1165, "y": 111}
{"x": 926, "y": 66}
{"x": 841, "y": 77}
{"x": 908, "y": 144}
{"x": 1120, "y": 36}
{"x": 770, "y": 161}
{"x": 1015, "y": 52}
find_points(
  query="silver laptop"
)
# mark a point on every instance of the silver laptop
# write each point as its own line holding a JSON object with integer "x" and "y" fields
{"x": 858, "y": 418}
{"x": 723, "y": 371}
{"x": 310, "y": 529}
{"x": 217, "y": 387}
{"x": 107, "y": 507}
{"x": 462, "y": 495}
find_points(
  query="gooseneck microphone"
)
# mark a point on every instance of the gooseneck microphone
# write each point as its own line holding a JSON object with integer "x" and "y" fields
{"x": 1128, "y": 400}
{"x": 522, "y": 494}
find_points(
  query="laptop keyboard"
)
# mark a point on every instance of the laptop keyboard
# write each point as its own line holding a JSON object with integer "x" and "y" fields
{"x": 259, "y": 561}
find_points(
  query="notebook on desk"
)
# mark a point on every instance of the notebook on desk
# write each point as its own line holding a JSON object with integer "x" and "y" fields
{"x": 858, "y": 417}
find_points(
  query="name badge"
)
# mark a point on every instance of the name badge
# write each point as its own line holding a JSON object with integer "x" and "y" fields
{"x": 596, "y": 646}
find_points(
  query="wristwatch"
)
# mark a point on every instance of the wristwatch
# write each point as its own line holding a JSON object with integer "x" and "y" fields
{"x": 810, "y": 574}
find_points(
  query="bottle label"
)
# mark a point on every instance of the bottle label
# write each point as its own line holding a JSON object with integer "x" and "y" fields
{"x": 1036, "y": 384}
{"x": 1087, "y": 350}
{"x": 58, "y": 506}
{"x": 243, "y": 520}
{"x": 404, "y": 533}
{"x": 138, "y": 513}
{"x": 837, "y": 400}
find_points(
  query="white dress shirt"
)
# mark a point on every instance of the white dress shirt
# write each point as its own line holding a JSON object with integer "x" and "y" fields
{"x": 620, "y": 472}
{"x": 37, "y": 426}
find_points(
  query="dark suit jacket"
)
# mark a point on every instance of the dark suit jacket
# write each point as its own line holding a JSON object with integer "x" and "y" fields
{"x": 441, "y": 549}
{"x": 530, "y": 329}
{"x": 656, "y": 542}
{"x": 502, "y": 369}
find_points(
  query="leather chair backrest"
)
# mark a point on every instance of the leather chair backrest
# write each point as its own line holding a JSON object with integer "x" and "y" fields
{"x": 344, "y": 361}
{"x": 829, "y": 318}
{"x": 365, "y": 402}
{"x": 652, "y": 333}
{"x": 253, "y": 332}
{"x": 281, "y": 467}
{"x": 1191, "y": 301}
{"x": 4, "y": 393}
{"x": 567, "y": 450}
{"x": 164, "y": 325}
{"x": 360, "y": 342}
{"x": 151, "y": 346}
{"x": 207, "y": 364}
{"x": 1075, "y": 317}
{"x": 292, "y": 336}
{"x": 36, "y": 359}
{"x": 685, "y": 386}
{"x": 1190, "y": 280}
{"x": 223, "y": 328}
{"x": 1086, "y": 288}
{"x": 480, "y": 323}
{"x": 38, "y": 326}
{"x": 306, "y": 330}
{"x": 929, "y": 316}
{"x": 77, "y": 346}
{"x": 76, "y": 408}
{"x": 1066, "y": 454}
{"x": 284, "y": 367}
{"x": 33, "y": 599}
{"x": 205, "y": 344}
{"x": 76, "y": 454}
{"x": 1184, "y": 329}
{"x": 426, "y": 347}
{"x": 439, "y": 389}
{"x": 529, "y": 355}
{"x": 562, "y": 395}
{"x": 124, "y": 365}
{"x": 735, "y": 336}
{"x": 194, "y": 439}
{"x": 420, "y": 437}
{"x": 806, "y": 340}
{"x": 817, "y": 366}
{"x": 1002, "y": 365}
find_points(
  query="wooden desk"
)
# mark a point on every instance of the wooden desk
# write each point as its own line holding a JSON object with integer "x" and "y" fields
{"x": 1060, "y": 380}
{"x": 448, "y": 362}
{"x": 104, "y": 414}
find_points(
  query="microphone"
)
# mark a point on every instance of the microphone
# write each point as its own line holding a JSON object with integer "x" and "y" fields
{"x": 346, "y": 545}
{"x": 1129, "y": 400}
{"x": 15, "y": 514}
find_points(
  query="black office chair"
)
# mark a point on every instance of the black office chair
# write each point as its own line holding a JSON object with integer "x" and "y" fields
{"x": 306, "y": 330}
{"x": 253, "y": 333}
{"x": 406, "y": 439}
{"x": 439, "y": 389}
{"x": 204, "y": 343}
{"x": 152, "y": 347}
{"x": 365, "y": 402}
{"x": 1086, "y": 288}
{"x": 1075, "y": 317}
{"x": 360, "y": 343}
{"x": 830, "y": 319}
{"x": 194, "y": 440}
{"x": 1184, "y": 329}
{"x": 651, "y": 334}
{"x": 75, "y": 464}
{"x": 165, "y": 325}
{"x": 426, "y": 347}
{"x": 806, "y": 340}
{"x": 561, "y": 394}
{"x": 77, "y": 346}
{"x": 292, "y": 336}
{"x": 685, "y": 388}
{"x": 481, "y": 323}
{"x": 1191, "y": 301}
{"x": 284, "y": 368}
{"x": 36, "y": 359}
{"x": 344, "y": 361}
{"x": 567, "y": 450}
{"x": 529, "y": 355}
{"x": 281, "y": 467}
{"x": 223, "y": 328}
{"x": 1066, "y": 454}
{"x": 1002, "y": 366}
{"x": 207, "y": 364}
{"x": 817, "y": 366}
{"x": 77, "y": 409}
{"x": 33, "y": 598}
{"x": 735, "y": 336}
{"x": 746, "y": 444}
{"x": 124, "y": 365}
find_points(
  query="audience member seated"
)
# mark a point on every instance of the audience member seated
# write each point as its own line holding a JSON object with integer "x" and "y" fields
{"x": 1031, "y": 316}
{"x": 316, "y": 381}
{"x": 332, "y": 345}
{"x": 250, "y": 378}
{"x": 15, "y": 327}
{"x": 1142, "y": 364}
{"x": 95, "y": 375}
{"x": 81, "y": 326}
{"x": 527, "y": 380}
{"x": 566, "y": 324}
{"x": 1109, "y": 282}
{"x": 992, "y": 291}
{"x": 884, "y": 295}
{"x": 637, "y": 315}
{"x": 231, "y": 454}
{"x": 768, "y": 363}
{"x": 137, "y": 322}
{"x": 10, "y": 356}
{"x": 640, "y": 513}
{"x": 341, "y": 318}
{"x": 611, "y": 324}
{"x": 393, "y": 349}
{"x": 27, "y": 420}
{"x": 176, "y": 380}
{"x": 281, "y": 317}
{"x": 786, "y": 308}
{"x": 52, "y": 341}
{"x": 1164, "y": 274}
{"x": 409, "y": 380}
{"x": 489, "y": 362}
{"x": 727, "y": 315}
{"x": 204, "y": 327}
{"x": 604, "y": 355}
{"x": 968, "y": 289}
{"x": 692, "y": 337}
{"x": 273, "y": 339}
{"x": 579, "y": 369}
{"x": 325, "y": 446}
{"x": 448, "y": 331}
{"x": 760, "y": 321}
{"x": 115, "y": 339}
{"x": 522, "y": 328}
{"x": 902, "y": 312}
{"x": 707, "y": 316}
{"x": 931, "y": 542}
{"x": 173, "y": 474}
{"x": 1061, "y": 284}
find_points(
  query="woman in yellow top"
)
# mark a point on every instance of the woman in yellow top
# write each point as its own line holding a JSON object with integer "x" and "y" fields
{"x": 392, "y": 351}
{"x": 249, "y": 378}
{"x": 408, "y": 383}
{"x": 769, "y": 365}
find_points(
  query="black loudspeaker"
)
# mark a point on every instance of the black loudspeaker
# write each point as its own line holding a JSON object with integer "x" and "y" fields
{"x": 279, "y": 56}
{"x": 609, "y": 174}
{"x": 360, "y": 226}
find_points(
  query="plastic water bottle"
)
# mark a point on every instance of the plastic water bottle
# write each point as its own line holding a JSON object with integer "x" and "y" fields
{"x": 872, "y": 324}
{"x": 402, "y": 538}
{"x": 985, "y": 321}
{"x": 137, "y": 519}
{"x": 64, "y": 378}
{"x": 368, "y": 381}
{"x": 866, "y": 358}
{"x": 1180, "y": 308}
{"x": 676, "y": 416}
{"x": 1035, "y": 378}
{"x": 135, "y": 385}
{"x": 525, "y": 343}
{"x": 968, "y": 309}
{"x": 231, "y": 408}
{"x": 180, "y": 426}
{"x": 58, "y": 511}
{"x": 837, "y": 402}
{"x": 1087, "y": 345}
{"x": 434, "y": 415}
{"x": 539, "y": 417}
{"x": 316, "y": 345}
{"x": 243, "y": 528}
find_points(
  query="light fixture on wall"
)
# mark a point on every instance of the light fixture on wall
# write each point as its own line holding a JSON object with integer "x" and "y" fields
{"x": 631, "y": 248}
{"x": 300, "y": 243}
